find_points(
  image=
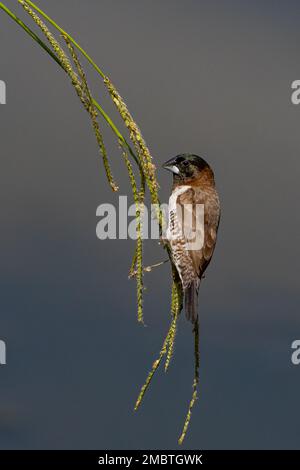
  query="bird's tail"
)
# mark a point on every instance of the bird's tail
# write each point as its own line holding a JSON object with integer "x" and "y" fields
{"x": 191, "y": 301}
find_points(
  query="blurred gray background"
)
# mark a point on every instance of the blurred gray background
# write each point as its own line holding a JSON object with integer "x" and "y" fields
{"x": 207, "y": 77}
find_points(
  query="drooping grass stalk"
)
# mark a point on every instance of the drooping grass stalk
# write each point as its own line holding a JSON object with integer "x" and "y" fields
{"x": 142, "y": 158}
{"x": 195, "y": 384}
{"x": 29, "y": 31}
{"x": 137, "y": 139}
{"x": 138, "y": 196}
{"x": 80, "y": 86}
{"x": 135, "y": 133}
{"x": 139, "y": 250}
{"x": 175, "y": 310}
{"x": 64, "y": 63}
{"x": 89, "y": 106}
{"x": 35, "y": 37}
{"x": 132, "y": 270}
{"x": 137, "y": 261}
{"x": 147, "y": 167}
{"x": 139, "y": 268}
{"x": 174, "y": 298}
{"x": 62, "y": 31}
{"x": 155, "y": 366}
{"x": 145, "y": 158}
{"x": 171, "y": 341}
{"x": 86, "y": 98}
{"x": 168, "y": 344}
{"x": 176, "y": 307}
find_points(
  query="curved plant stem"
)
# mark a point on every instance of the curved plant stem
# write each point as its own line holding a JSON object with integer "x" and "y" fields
{"x": 123, "y": 142}
{"x": 35, "y": 37}
{"x": 30, "y": 32}
{"x": 195, "y": 384}
{"x": 84, "y": 94}
{"x": 96, "y": 67}
{"x": 154, "y": 368}
{"x": 175, "y": 309}
{"x": 61, "y": 30}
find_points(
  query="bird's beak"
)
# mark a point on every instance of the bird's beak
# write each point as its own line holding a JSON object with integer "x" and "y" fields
{"x": 172, "y": 168}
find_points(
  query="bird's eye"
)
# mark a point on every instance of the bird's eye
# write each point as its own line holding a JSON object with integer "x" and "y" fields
{"x": 185, "y": 163}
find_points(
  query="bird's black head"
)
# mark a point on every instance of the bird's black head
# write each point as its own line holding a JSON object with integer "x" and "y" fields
{"x": 186, "y": 167}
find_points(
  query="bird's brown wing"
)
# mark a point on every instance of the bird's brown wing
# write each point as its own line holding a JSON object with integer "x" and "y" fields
{"x": 192, "y": 227}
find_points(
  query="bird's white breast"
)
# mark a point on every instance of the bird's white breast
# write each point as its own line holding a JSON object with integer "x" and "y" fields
{"x": 177, "y": 192}
{"x": 173, "y": 220}
{"x": 177, "y": 240}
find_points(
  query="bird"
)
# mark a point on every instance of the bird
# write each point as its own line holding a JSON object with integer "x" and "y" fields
{"x": 193, "y": 222}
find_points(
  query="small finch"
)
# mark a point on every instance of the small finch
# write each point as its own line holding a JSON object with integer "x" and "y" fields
{"x": 194, "y": 214}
